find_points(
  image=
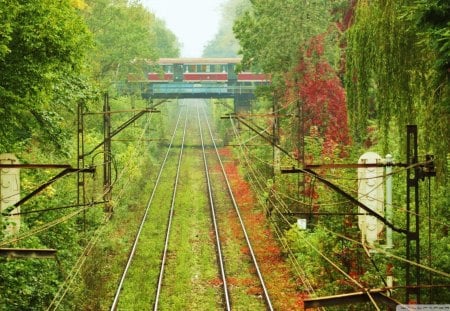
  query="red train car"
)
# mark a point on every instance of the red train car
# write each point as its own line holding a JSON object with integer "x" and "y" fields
{"x": 205, "y": 77}
{"x": 197, "y": 70}
{"x": 157, "y": 77}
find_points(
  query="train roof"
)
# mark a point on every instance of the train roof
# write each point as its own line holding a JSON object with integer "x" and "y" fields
{"x": 199, "y": 61}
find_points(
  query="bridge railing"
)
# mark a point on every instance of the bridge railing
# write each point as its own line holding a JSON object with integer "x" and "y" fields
{"x": 199, "y": 88}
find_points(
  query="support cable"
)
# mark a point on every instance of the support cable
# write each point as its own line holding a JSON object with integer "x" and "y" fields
{"x": 64, "y": 288}
{"x": 42, "y": 228}
{"x": 325, "y": 257}
{"x": 441, "y": 273}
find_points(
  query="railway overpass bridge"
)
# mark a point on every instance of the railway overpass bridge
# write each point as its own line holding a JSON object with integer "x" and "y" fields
{"x": 199, "y": 78}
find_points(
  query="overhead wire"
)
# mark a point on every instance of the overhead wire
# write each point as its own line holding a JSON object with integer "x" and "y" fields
{"x": 42, "y": 228}
{"x": 373, "y": 177}
{"x": 66, "y": 285}
{"x": 368, "y": 195}
{"x": 372, "y": 198}
{"x": 328, "y": 260}
{"x": 285, "y": 219}
{"x": 397, "y": 207}
{"x": 253, "y": 171}
{"x": 377, "y": 249}
{"x": 131, "y": 160}
{"x": 274, "y": 192}
{"x": 384, "y": 175}
{"x": 297, "y": 266}
{"x": 55, "y": 208}
{"x": 63, "y": 289}
{"x": 81, "y": 260}
{"x": 298, "y": 201}
{"x": 94, "y": 202}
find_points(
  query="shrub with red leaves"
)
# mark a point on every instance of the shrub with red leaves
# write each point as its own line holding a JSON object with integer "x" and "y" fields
{"x": 280, "y": 280}
{"x": 323, "y": 96}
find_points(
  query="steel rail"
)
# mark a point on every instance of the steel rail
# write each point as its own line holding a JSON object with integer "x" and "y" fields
{"x": 244, "y": 230}
{"x": 219, "y": 253}
{"x": 169, "y": 221}
{"x": 143, "y": 220}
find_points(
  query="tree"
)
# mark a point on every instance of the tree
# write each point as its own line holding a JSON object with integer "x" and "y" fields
{"x": 126, "y": 34}
{"x": 167, "y": 44}
{"x": 41, "y": 51}
{"x": 8, "y": 10}
{"x": 224, "y": 43}
{"x": 272, "y": 33}
{"x": 324, "y": 109}
{"x": 396, "y": 73}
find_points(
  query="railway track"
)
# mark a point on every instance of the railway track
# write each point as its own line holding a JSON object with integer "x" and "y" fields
{"x": 265, "y": 293}
{"x": 218, "y": 244}
{"x": 144, "y": 218}
{"x": 204, "y": 236}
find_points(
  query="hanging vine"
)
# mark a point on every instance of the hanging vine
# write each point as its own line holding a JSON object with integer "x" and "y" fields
{"x": 391, "y": 78}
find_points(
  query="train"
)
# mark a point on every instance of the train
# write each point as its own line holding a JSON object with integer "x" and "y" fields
{"x": 202, "y": 70}
{"x": 197, "y": 78}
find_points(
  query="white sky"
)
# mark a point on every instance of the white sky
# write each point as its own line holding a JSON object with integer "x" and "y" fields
{"x": 194, "y": 22}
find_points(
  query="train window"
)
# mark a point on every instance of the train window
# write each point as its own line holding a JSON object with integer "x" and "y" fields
{"x": 167, "y": 68}
{"x": 186, "y": 68}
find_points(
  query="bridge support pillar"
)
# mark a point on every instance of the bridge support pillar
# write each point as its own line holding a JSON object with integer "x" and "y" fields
{"x": 242, "y": 102}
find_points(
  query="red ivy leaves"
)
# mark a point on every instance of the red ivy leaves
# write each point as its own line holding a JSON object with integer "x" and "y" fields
{"x": 323, "y": 97}
{"x": 277, "y": 274}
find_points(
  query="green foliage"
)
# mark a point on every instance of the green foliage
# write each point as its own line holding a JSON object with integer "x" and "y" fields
{"x": 8, "y": 11}
{"x": 224, "y": 43}
{"x": 33, "y": 280}
{"x": 391, "y": 76}
{"x": 41, "y": 51}
{"x": 166, "y": 44}
{"x": 125, "y": 34}
{"x": 307, "y": 247}
{"x": 53, "y": 55}
{"x": 272, "y": 33}
{"x": 432, "y": 20}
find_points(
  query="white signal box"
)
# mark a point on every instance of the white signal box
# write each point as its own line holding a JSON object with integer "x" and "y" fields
{"x": 371, "y": 194}
{"x": 301, "y": 223}
{"x": 10, "y": 192}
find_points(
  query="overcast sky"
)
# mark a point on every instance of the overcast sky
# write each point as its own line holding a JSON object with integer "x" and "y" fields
{"x": 194, "y": 22}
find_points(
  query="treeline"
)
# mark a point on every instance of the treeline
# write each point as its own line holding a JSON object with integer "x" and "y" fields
{"x": 347, "y": 77}
{"x": 392, "y": 57}
{"x": 225, "y": 44}
{"x": 55, "y": 55}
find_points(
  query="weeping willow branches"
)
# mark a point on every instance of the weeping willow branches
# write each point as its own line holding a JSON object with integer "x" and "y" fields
{"x": 392, "y": 77}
